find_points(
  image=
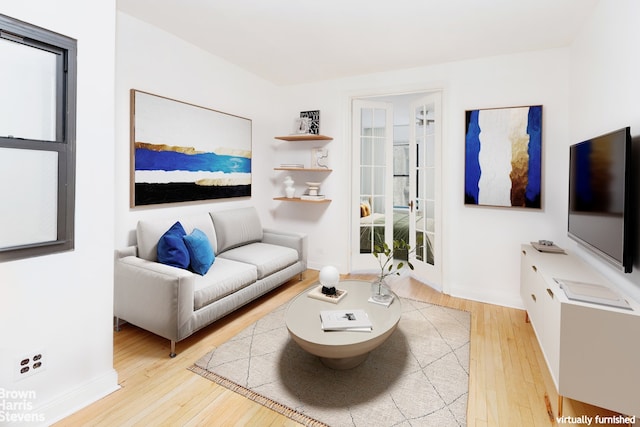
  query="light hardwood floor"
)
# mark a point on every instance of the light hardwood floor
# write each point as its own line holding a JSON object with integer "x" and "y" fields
{"x": 509, "y": 382}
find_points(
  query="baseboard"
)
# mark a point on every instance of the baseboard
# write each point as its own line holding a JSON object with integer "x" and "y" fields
{"x": 81, "y": 397}
{"x": 512, "y": 301}
{"x": 316, "y": 266}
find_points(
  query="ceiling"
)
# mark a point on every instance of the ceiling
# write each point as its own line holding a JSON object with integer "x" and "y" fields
{"x": 297, "y": 41}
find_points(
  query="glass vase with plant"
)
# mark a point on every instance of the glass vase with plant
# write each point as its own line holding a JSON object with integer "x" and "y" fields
{"x": 380, "y": 291}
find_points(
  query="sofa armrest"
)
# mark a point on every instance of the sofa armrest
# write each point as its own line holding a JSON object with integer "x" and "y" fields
{"x": 153, "y": 296}
{"x": 125, "y": 252}
{"x": 297, "y": 241}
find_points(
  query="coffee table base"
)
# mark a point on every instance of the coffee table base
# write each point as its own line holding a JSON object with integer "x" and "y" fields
{"x": 354, "y": 354}
{"x": 344, "y": 363}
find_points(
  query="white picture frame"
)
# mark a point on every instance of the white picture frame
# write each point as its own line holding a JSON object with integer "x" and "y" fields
{"x": 302, "y": 126}
{"x": 319, "y": 158}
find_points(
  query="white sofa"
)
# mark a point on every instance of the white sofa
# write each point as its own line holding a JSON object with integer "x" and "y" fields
{"x": 174, "y": 302}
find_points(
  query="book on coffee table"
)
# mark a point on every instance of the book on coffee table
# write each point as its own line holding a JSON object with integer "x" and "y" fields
{"x": 345, "y": 320}
{"x": 317, "y": 294}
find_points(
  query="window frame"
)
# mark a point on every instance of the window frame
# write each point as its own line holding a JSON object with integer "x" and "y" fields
{"x": 65, "y": 142}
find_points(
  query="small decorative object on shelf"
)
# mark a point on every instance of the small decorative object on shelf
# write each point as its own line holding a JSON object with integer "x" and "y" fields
{"x": 314, "y": 120}
{"x": 319, "y": 158}
{"x": 288, "y": 187}
{"x": 315, "y": 198}
{"x": 313, "y": 188}
{"x": 313, "y": 192}
{"x": 302, "y": 126}
{"x": 380, "y": 291}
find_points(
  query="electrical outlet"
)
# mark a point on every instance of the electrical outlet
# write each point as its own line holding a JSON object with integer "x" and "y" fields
{"x": 29, "y": 364}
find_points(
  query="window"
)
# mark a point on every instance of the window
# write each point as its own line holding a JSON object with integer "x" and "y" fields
{"x": 37, "y": 140}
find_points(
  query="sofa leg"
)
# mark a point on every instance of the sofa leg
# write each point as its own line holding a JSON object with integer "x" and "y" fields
{"x": 173, "y": 349}
{"x": 116, "y": 324}
{"x": 301, "y": 277}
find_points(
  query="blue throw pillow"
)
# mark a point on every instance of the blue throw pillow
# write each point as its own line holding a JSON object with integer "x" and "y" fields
{"x": 171, "y": 248}
{"x": 200, "y": 251}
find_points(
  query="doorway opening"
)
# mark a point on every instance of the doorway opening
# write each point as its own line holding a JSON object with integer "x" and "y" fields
{"x": 396, "y": 142}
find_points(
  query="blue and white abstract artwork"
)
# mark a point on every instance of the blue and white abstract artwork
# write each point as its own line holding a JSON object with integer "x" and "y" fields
{"x": 503, "y": 157}
{"x": 182, "y": 152}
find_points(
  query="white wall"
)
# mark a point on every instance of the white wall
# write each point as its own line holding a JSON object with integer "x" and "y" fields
{"x": 61, "y": 305}
{"x": 481, "y": 245}
{"x": 152, "y": 60}
{"x": 605, "y": 94}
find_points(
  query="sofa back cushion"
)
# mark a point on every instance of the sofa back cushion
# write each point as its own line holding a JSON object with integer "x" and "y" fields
{"x": 236, "y": 227}
{"x": 148, "y": 232}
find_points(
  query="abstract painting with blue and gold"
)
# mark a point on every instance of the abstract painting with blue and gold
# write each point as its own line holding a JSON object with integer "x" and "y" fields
{"x": 183, "y": 152}
{"x": 503, "y": 157}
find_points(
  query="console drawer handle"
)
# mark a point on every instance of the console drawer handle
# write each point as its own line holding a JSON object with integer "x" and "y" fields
{"x": 524, "y": 252}
{"x": 550, "y": 292}
{"x": 533, "y": 297}
{"x": 534, "y": 268}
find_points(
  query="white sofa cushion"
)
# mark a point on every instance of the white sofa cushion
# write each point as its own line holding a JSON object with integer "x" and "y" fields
{"x": 223, "y": 278}
{"x": 148, "y": 232}
{"x": 265, "y": 257}
{"x": 236, "y": 227}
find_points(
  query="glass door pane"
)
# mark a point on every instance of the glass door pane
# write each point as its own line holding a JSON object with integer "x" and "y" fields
{"x": 425, "y": 184}
{"x": 425, "y": 174}
{"x": 372, "y": 177}
{"x": 372, "y": 180}
{"x": 401, "y": 177}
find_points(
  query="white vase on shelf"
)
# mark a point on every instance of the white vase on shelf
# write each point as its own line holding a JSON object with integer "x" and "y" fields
{"x": 289, "y": 191}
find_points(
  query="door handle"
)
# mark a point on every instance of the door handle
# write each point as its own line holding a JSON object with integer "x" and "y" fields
{"x": 410, "y": 205}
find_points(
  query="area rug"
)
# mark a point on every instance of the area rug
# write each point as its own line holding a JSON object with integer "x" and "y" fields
{"x": 418, "y": 377}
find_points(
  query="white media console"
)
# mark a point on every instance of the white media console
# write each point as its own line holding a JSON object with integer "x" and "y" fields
{"x": 592, "y": 349}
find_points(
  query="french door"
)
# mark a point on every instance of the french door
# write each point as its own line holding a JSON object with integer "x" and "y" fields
{"x": 425, "y": 189}
{"x": 372, "y": 179}
{"x": 413, "y": 213}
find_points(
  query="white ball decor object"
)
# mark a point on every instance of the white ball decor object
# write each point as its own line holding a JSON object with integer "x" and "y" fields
{"x": 329, "y": 276}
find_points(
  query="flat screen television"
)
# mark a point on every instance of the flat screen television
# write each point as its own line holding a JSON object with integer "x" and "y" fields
{"x": 600, "y": 192}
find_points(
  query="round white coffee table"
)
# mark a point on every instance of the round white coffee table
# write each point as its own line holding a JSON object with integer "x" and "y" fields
{"x": 341, "y": 349}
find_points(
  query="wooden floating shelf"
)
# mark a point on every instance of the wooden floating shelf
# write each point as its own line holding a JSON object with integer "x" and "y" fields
{"x": 303, "y": 169}
{"x": 305, "y": 137}
{"x": 299, "y": 200}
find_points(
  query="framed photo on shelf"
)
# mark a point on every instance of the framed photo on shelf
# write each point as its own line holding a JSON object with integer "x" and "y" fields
{"x": 314, "y": 117}
{"x": 302, "y": 126}
{"x": 319, "y": 158}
